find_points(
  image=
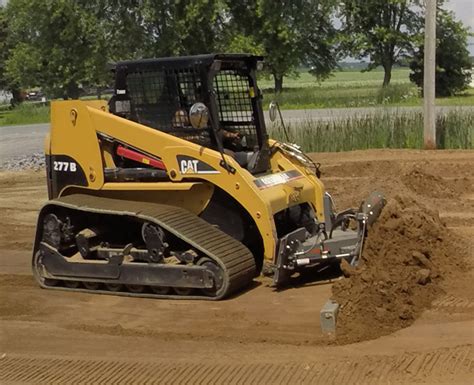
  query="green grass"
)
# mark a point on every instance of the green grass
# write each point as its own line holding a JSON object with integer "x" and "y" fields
{"x": 24, "y": 114}
{"x": 353, "y": 89}
{"x": 455, "y": 130}
{"x": 341, "y": 78}
{"x": 325, "y": 97}
{"x": 464, "y": 99}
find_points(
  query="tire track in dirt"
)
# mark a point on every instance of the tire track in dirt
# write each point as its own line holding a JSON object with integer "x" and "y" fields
{"x": 452, "y": 302}
{"x": 432, "y": 366}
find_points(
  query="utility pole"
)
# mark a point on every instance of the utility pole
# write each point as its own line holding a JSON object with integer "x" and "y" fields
{"x": 429, "y": 112}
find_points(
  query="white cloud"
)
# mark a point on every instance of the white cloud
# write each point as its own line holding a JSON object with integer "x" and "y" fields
{"x": 464, "y": 11}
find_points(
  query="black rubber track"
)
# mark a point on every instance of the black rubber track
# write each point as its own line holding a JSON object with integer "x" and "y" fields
{"x": 236, "y": 260}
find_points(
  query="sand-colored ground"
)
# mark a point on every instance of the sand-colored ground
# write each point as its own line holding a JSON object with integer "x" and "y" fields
{"x": 259, "y": 336}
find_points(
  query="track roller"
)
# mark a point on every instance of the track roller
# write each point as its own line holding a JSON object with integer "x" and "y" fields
{"x": 91, "y": 285}
{"x": 160, "y": 290}
{"x": 135, "y": 288}
{"x": 114, "y": 286}
{"x": 72, "y": 284}
{"x": 184, "y": 291}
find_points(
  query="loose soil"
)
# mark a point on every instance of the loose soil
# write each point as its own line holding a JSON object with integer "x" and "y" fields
{"x": 407, "y": 256}
{"x": 408, "y": 309}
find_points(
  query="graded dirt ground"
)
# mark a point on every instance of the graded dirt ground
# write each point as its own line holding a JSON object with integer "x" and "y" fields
{"x": 262, "y": 336}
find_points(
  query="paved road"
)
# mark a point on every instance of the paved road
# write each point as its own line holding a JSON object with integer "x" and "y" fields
{"x": 27, "y": 139}
{"x": 21, "y": 140}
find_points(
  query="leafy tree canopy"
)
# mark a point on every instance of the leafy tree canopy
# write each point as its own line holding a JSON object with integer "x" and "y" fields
{"x": 288, "y": 33}
{"x": 384, "y": 31}
{"x": 56, "y": 44}
{"x": 183, "y": 27}
{"x": 3, "y": 47}
{"x": 5, "y": 82}
{"x": 453, "y": 65}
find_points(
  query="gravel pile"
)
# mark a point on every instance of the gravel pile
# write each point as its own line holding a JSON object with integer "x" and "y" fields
{"x": 29, "y": 162}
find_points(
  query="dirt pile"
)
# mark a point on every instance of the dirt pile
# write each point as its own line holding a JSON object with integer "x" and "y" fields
{"x": 426, "y": 184}
{"x": 407, "y": 254}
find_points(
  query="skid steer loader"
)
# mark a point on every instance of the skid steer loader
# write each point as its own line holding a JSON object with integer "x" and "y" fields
{"x": 174, "y": 190}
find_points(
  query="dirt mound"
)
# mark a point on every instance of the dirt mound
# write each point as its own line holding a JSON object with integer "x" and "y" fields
{"x": 407, "y": 254}
{"x": 425, "y": 184}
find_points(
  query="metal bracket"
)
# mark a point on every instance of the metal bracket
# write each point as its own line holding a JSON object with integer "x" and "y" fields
{"x": 286, "y": 248}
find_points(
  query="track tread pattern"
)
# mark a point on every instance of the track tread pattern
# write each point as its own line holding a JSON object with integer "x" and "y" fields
{"x": 411, "y": 367}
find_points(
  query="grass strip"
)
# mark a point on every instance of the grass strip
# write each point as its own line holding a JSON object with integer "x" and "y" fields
{"x": 455, "y": 130}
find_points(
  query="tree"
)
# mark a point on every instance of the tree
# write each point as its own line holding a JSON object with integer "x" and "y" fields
{"x": 122, "y": 23}
{"x": 184, "y": 27}
{"x": 56, "y": 45}
{"x": 288, "y": 33}
{"x": 382, "y": 30}
{"x": 5, "y": 84}
{"x": 453, "y": 64}
{"x": 3, "y": 47}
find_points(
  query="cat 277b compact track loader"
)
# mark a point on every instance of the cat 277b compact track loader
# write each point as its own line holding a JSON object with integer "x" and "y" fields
{"x": 174, "y": 189}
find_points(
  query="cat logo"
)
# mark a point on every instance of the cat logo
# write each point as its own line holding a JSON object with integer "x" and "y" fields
{"x": 189, "y": 165}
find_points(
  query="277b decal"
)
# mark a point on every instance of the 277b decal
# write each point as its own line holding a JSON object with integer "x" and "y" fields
{"x": 64, "y": 166}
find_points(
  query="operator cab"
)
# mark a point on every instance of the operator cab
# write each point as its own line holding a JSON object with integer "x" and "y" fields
{"x": 211, "y": 100}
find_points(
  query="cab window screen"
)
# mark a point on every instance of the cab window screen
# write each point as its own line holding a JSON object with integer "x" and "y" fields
{"x": 234, "y": 102}
{"x": 161, "y": 99}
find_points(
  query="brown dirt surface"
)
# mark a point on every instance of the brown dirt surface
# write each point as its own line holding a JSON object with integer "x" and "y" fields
{"x": 408, "y": 309}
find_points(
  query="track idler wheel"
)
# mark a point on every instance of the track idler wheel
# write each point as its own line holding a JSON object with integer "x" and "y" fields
{"x": 218, "y": 276}
{"x": 37, "y": 269}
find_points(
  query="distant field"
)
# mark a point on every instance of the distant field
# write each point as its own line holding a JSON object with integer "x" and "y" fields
{"x": 342, "y": 78}
{"x": 352, "y": 89}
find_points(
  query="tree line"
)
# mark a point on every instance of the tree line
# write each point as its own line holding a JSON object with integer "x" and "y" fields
{"x": 61, "y": 45}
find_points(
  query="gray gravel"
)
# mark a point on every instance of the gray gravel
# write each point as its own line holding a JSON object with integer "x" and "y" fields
{"x": 34, "y": 162}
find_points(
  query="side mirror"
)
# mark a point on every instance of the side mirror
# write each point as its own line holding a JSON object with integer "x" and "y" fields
{"x": 199, "y": 115}
{"x": 272, "y": 110}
